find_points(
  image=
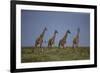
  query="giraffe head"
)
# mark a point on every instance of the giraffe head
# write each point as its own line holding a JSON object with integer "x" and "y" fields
{"x": 45, "y": 28}
{"x": 56, "y": 31}
{"x": 78, "y": 29}
{"x": 68, "y": 31}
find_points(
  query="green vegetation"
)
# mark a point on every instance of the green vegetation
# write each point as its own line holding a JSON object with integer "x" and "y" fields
{"x": 29, "y": 54}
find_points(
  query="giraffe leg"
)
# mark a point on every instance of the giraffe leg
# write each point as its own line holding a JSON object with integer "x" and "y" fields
{"x": 41, "y": 45}
{"x": 49, "y": 45}
{"x": 63, "y": 46}
{"x": 59, "y": 45}
{"x": 33, "y": 50}
{"x": 77, "y": 43}
{"x": 35, "y": 44}
{"x": 66, "y": 45}
{"x": 72, "y": 45}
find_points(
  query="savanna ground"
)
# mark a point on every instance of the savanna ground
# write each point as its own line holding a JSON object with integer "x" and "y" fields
{"x": 29, "y": 54}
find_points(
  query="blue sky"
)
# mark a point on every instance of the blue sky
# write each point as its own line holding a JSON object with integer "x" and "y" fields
{"x": 33, "y": 23}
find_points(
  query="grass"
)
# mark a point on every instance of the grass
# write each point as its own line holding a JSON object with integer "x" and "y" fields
{"x": 29, "y": 54}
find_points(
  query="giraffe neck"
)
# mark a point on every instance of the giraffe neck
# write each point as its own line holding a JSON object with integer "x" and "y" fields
{"x": 65, "y": 36}
{"x": 54, "y": 36}
{"x": 77, "y": 34}
{"x": 42, "y": 34}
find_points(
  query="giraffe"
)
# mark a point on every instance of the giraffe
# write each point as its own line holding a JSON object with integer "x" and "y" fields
{"x": 52, "y": 39}
{"x": 76, "y": 39}
{"x": 39, "y": 40}
{"x": 62, "y": 42}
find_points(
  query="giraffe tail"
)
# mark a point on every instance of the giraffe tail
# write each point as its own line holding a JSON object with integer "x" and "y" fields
{"x": 59, "y": 45}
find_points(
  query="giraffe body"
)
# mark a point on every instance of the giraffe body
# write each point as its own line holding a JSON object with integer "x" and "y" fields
{"x": 52, "y": 39}
{"x": 62, "y": 42}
